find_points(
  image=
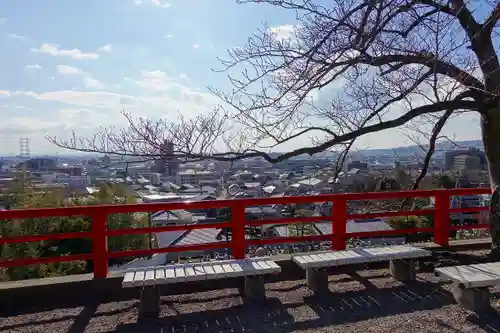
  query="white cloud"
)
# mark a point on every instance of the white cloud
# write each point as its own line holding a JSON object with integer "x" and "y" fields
{"x": 108, "y": 48}
{"x": 35, "y": 67}
{"x": 69, "y": 70}
{"x": 3, "y": 20}
{"x": 183, "y": 99}
{"x": 283, "y": 32}
{"x": 60, "y": 112}
{"x": 154, "y": 80}
{"x": 95, "y": 99}
{"x": 196, "y": 46}
{"x": 92, "y": 83}
{"x": 161, "y": 3}
{"x": 76, "y": 54}
{"x": 169, "y": 36}
{"x": 89, "y": 81}
{"x": 157, "y": 3}
{"x": 183, "y": 76}
{"x": 16, "y": 36}
{"x": 21, "y": 107}
{"x": 25, "y": 125}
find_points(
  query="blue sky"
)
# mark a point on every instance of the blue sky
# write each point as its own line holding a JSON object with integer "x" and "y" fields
{"x": 76, "y": 64}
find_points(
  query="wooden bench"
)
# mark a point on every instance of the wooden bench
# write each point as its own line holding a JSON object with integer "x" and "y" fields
{"x": 471, "y": 282}
{"x": 149, "y": 279}
{"x": 316, "y": 264}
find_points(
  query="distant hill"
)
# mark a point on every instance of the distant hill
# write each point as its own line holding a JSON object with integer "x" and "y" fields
{"x": 414, "y": 150}
{"x": 441, "y": 147}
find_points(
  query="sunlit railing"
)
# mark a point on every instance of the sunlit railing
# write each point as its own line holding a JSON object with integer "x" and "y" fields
{"x": 238, "y": 242}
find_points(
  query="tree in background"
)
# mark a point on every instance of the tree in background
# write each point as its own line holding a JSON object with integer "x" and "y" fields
{"x": 30, "y": 198}
{"x": 409, "y": 222}
{"x": 396, "y": 61}
{"x": 443, "y": 180}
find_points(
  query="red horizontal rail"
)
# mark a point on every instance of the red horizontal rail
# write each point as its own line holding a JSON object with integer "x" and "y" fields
{"x": 100, "y": 231}
{"x": 149, "y": 207}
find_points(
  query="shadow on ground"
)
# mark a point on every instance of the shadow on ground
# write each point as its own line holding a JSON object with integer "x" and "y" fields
{"x": 312, "y": 312}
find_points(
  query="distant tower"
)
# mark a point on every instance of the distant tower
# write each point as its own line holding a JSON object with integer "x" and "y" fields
{"x": 24, "y": 153}
{"x": 24, "y": 148}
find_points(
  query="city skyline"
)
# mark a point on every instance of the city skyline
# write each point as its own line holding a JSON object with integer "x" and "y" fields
{"x": 150, "y": 58}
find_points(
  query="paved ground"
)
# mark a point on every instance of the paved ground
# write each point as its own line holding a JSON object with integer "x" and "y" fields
{"x": 365, "y": 301}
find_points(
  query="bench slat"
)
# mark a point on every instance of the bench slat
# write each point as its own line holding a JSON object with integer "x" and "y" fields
{"x": 353, "y": 257}
{"x": 372, "y": 254}
{"x": 200, "y": 272}
{"x": 259, "y": 266}
{"x": 180, "y": 275}
{"x": 149, "y": 276}
{"x": 169, "y": 274}
{"x": 472, "y": 276}
{"x": 139, "y": 278}
{"x": 246, "y": 267}
{"x": 128, "y": 280}
{"x": 228, "y": 269}
{"x": 493, "y": 268}
{"x": 238, "y": 270}
{"x": 159, "y": 275}
{"x": 274, "y": 266}
{"x": 190, "y": 273}
{"x": 219, "y": 271}
{"x": 209, "y": 269}
{"x": 263, "y": 265}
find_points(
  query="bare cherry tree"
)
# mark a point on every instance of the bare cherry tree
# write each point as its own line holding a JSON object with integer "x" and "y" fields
{"x": 348, "y": 68}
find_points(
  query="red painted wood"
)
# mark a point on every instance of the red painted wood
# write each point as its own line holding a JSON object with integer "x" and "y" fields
{"x": 100, "y": 233}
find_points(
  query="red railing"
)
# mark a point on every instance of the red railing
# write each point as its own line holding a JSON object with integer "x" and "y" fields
{"x": 238, "y": 243}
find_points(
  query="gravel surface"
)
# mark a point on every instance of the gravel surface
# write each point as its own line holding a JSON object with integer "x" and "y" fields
{"x": 364, "y": 301}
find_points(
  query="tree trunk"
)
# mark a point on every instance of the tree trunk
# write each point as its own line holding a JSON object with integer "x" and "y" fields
{"x": 490, "y": 126}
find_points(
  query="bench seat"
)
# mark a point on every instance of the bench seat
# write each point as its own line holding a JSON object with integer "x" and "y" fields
{"x": 149, "y": 276}
{"x": 471, "y": 282}
{"x": 400, "y": 256}
{"x": 472, "y": 276}
{"x": 150, "y": 279}
{"x": 358, "y": 256}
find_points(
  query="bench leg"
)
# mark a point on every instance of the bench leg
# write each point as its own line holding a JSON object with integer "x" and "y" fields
{"x": 317, "y": 280}
{"x": 255, "y": 288}
{"x": 474, "y": 299}
{"x": 150, "y": 302}
{"x": 402, "y": 270}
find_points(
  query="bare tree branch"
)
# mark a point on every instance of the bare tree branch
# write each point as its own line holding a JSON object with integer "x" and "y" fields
{"x": 349, "y": 68}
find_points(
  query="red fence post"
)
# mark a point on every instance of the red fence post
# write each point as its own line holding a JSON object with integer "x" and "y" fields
{"x": 339, "y": 224}
{"x": 442, "y": 219}
{"x": 100, "y": 244}
{"x": 238, "y": 230}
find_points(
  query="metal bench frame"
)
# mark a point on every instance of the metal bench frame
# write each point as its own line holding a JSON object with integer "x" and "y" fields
{"x": 152, "y": 279}
{"x": 470, "y": 283}
{"x": 400, "y": 257}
